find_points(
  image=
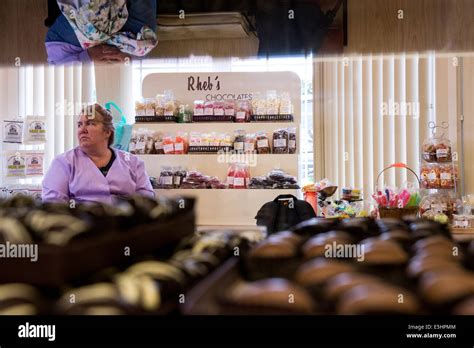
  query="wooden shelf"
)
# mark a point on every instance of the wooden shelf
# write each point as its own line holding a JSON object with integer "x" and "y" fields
{"x": 217, "y": 164}
{"x": 218, "y": 127}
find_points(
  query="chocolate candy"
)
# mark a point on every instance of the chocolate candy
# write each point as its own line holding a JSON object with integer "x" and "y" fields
{"x": 273, "y": 294}
{"x": 377, "y": 298}
{"x": 19, "y": 299}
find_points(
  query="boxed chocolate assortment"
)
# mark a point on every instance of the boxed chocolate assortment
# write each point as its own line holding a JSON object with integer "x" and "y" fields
{"x": 150, "y": 284}
{"x": 139, "y": 256}
{"x": 357, "y": 266}
{"x": 70, "y": 242}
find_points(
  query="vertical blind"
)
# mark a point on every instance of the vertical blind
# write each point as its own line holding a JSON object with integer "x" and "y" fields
{"x": 375, "y": 112}
{"x": 57, "y": 92}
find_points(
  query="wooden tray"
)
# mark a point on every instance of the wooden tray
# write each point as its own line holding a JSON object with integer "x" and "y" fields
{"x": 202, "y": 299}
{"x": 58, "y": 265}
{"x": 207, "y": 297}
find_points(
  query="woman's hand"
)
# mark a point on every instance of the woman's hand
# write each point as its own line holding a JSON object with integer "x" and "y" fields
{"x": 105, "y": 54}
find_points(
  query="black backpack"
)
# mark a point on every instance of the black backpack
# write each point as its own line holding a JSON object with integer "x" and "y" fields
{"x": 284, "y": 212}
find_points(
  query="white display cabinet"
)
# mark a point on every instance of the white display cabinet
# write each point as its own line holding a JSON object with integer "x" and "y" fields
{"x": 236, "y": 207}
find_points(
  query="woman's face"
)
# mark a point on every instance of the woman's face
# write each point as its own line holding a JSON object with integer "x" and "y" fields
{"x": 91, "y": 133}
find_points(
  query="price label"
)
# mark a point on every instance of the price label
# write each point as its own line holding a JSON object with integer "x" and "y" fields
{"x": 249, "y": 147}
{"x": 262, "y": 143}
{"x": 446, "y": 176}
{"x": 279, "y": 143}
{"x": 168, "y": 148}
{"x": 166, "y": 180}
{"x": 179, "y": 147}
{"x": 239, "y": 182}
{"x": 442, "y": 153}
{"x": 140, "y": 146}
{"x": 461, "y": 224}
{"x": 240, "y": 115}
{"x": 219, "y": 112}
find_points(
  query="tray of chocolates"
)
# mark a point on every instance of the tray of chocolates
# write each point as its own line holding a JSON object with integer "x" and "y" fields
{"x": 347, "y": 267}
{"x": 51, "y": 244}
{"x": 152, "y": 284}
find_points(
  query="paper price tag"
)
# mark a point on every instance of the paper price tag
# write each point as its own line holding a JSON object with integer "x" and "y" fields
{"x": 279, "y": 143}
{"x": 240, "y": 115}
{"x": 166, "y": 180}
{"x": 262, "y": 143}
{"x": 239, "y": 182}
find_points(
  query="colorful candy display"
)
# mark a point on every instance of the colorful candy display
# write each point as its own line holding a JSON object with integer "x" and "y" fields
{"x": 397, "y": 198}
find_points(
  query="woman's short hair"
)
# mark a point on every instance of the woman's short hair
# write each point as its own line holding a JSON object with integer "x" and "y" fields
{"x": 102, "y": 115}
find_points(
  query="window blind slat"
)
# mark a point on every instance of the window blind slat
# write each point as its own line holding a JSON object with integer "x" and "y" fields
{"x": 358, "y": 124}
{"x": 368, "y": 128}
{"x": 22, "y": 86}
{"x": 340, "y": 126}
{"x": 424, "y": 97}
{"x": 389, "y": 120}
{"x": 38, "y": 95}
{"x": 78, "y": 102}
{"x": 349, "y": 152}
{"x": 49, "y": 109}
{"x": 69, "y": 102}
{"x": 378, "y": 119}
{"x": 400, "y": 118}
{"x": 330, "y": 117}
{"x": 59, "y": 111}
{"x": 412, "y": 88}
{"x": 12, "y": 92}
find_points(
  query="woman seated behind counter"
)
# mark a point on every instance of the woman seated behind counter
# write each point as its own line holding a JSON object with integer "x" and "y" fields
{"x": 93, "y": 171}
